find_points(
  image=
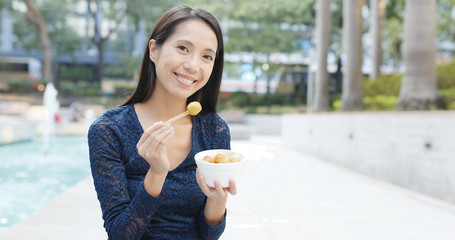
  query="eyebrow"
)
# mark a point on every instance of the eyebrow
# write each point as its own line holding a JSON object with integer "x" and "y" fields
{"x": 191, "y": 44}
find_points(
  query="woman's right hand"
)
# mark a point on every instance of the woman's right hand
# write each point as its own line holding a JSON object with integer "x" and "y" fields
{"x": 152, "y": 146}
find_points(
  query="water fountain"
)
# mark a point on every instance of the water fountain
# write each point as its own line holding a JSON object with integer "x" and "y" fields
{"x": 34, "y": 172}
{"x": 51, "y": 105}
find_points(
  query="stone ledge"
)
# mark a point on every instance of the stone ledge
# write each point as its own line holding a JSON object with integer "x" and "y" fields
{"x": 16, "y": 130}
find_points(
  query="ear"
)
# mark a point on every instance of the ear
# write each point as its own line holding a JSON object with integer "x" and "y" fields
{"x": 153, "y": 50}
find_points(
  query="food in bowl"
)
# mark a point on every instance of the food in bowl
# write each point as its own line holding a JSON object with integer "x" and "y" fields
{"x": 219, "y": 164}
{"x": 224, "y": 157}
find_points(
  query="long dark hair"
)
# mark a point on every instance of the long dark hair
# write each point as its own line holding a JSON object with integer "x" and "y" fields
{"x": 164, "y": 28}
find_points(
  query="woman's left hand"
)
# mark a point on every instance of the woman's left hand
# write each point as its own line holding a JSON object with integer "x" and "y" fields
{"x": 217, "y": 192}
{"x": 216, "y": 199}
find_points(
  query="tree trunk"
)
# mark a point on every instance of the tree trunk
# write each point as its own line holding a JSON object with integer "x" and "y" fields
{"x": 352, "y": 40}
{"x": 36, "y": 19}
{"x": 99, "y": 73}
{"x": 377, "y": 19}
{"x": 99, "y": 43}
{"x": 418, "y": 88}
{"x": 323, "y": 24}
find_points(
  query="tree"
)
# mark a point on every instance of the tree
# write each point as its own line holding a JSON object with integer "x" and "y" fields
{"x": 113, "y": 13}
{"x": 352, "y": 92}
{"x": 418, "y": 88}
{"x": 377, "y": 8}
{"x": 446, "y": 20}
{"x": 95, "y": 10}
{"x": 62, "y": 38}
{"x": 261, "y": 27}
{"x": 322, "y": 34}
{"x": 37, "y": 20}
{"x": 393, "y": 32}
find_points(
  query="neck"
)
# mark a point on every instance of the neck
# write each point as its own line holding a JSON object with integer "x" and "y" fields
{"x": 162, "y": 108}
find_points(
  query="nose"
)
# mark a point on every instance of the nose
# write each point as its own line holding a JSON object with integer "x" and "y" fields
{"x": 191, "y": 64}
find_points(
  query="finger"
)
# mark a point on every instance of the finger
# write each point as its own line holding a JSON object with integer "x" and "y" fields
{"x": 232, "y": 187}
{"x": 161, "y": 138}
{"x": 170, "y": 133}
{"x": 204, "y": 187}
{"x": 148, "y": 131}
{"x": 156, "y": 137}
{"x": 151, "y": 141}
{"x": 219, "y": 189}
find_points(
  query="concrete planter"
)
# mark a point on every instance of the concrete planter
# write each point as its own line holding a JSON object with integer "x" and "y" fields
{"x": 412, "y": 149}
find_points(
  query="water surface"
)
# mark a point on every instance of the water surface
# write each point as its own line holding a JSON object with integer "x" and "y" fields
{"x": 29, "y": 178}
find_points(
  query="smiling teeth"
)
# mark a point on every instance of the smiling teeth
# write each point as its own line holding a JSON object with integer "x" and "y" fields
{"x": 185, "y": 80}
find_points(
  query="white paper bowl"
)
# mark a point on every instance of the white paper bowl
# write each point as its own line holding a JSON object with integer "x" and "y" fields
{"x": 220, "y": 171}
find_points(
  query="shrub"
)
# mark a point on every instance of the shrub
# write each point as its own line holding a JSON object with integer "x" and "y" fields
{"x": 386, "y": 85}
{"x": 336, "y": 105}
{"x": 20, "y": 86}
{"x": 445, "y": 76}
{"x": 239, "y": 99}
{"x": 81, "y": 88}
{"x": 380, "y": 103}
{"x": 448, "y": 96}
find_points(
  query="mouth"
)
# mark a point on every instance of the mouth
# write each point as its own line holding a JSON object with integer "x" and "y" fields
{"x": 185, "y": 80}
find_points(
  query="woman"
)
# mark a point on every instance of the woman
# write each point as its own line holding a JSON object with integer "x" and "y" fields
{"x": 143, "y": 170}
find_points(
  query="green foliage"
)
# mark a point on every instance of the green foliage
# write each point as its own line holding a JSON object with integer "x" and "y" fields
{"x": 6, "y": 4}
{"x": 387, "y": 85}
{"x": 445, "y": 76}
{"x": 78, "y": 89}
{"x": 381, "y": 94}
{"x": 445, "y": 80}
{"x": 63, "y": 39}
{"x": 239, "y": 99}
{"x": 445, "y": 20}
{"x": 275, "y": 109}
{"x": 126, "y": 69}
{"x": 395, "y": 9}
{"x": 448, "y": 96}
{"x": 261, "y": 104}
{"x": 266, "y": 39}
{"x": 75, "y": 73}
{"x": 265, "y": 26}
{"x": 20, "y": 86}
{"x": 336, "y": 105}
{"x": 380, "y": 103}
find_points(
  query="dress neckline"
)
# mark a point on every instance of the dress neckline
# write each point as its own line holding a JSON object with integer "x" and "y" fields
{"x": 141, "y": 131}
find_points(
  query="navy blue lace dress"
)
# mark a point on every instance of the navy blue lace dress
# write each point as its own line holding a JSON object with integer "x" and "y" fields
{"x": 129, "y": 212}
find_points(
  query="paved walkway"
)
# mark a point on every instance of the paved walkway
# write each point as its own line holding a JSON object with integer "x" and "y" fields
{"x": 283, "y": 195}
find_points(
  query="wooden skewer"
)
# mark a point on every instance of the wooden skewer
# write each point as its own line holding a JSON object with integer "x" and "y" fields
{"x": 193, "y": 108}
{"x": 183, "y": 114}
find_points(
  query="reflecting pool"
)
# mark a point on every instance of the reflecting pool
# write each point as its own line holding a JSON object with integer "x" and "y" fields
{"x": 29, "y": 179}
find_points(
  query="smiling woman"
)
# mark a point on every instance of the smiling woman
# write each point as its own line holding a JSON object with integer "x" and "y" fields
{"x": 143, "y": 169}
{"x": 185, "y": 61}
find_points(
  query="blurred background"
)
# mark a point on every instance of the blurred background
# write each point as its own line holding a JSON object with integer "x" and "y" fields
{"x": 385, "y": 64}
{"x": 91, "y": 52}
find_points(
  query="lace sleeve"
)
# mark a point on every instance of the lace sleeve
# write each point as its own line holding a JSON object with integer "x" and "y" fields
{"x": 126, "y": 217}
{"x": 207, "y": 231}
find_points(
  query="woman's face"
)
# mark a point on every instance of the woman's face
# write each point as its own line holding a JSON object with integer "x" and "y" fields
{"x": 184, "y": 62}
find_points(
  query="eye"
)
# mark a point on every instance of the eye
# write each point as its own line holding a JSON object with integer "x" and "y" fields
{"x": 182, "y": 48}
{"x": 208, "y": 57}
